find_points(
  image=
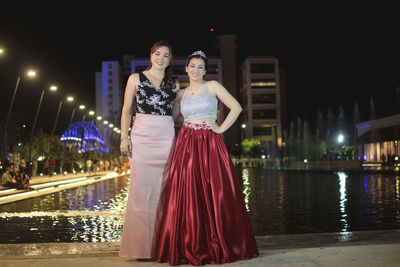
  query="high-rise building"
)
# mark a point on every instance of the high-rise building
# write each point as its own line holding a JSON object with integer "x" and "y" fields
{"x": 263, "y": 100}
{"x": 109, "y": 93}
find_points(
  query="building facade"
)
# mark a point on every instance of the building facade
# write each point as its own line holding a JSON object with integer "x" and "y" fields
{"x": 263, "y": 101}
{"x": 378, "y": 140}
{"x": 109, "y": 93}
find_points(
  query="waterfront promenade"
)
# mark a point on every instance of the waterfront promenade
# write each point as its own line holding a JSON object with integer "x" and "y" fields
{"x": 358, "y": 248}
{"x": 362, "y": 248}
{"x": 42, "y": 185}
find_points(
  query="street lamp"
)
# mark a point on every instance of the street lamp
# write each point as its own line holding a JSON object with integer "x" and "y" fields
{"x": 69, "y": 99}
{"x": 82, "y": 107}
{"x": 242, "y": 131}
{"x": 91, "y": 113}
{"x": 340, "y": 138}
{"x": 1, "y": 51}
{"x": 52, "y": 88}
{"x": 30, "y": 74}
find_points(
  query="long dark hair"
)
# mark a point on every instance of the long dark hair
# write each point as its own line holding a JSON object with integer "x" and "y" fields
{"x": 168, "y": 80}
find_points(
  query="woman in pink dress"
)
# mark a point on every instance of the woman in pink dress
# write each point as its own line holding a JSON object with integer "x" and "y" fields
{"x": 205, "y": 218}
{"x": 149, "y": 146}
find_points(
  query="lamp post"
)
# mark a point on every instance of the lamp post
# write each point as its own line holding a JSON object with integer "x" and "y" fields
{"x": 340, "y": 140}
{"x": 242, "y": 131}
{"x": 30, "y": 74}
{"x": 52, "y": 88}
{"x": 82, "y": 107}
{"x": 69, "y": 99}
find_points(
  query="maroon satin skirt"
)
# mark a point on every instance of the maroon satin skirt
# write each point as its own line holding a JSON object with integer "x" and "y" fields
{"x": 205, "y": 219}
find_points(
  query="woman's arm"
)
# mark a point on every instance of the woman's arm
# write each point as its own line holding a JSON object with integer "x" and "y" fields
{"x": 217, "y": 89}
{"x": 176, "y": 112}
{"x": 127, "y": 112}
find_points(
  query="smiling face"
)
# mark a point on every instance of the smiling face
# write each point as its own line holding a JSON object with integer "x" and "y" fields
{"x": 161, "y": 57}
{"x": 196, "y": 69}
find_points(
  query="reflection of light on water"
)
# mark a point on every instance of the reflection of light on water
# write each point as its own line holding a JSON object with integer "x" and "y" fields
{"x": 56, "y": 214}
{"x": 345, "y": 236}
{"x": 343, "y": 199}
{"x": 246, "y": 187}
{"x": 101, "y": 222}
{"x": 398, "y": 194}
{"x": 96, "y": 228}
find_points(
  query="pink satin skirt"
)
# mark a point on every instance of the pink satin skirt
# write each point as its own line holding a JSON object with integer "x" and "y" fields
{"x": 205, "y": 218}
{"x": 153, "y": 140}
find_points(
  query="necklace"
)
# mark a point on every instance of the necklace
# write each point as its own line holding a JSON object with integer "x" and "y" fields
{"x": 191, "y": 92}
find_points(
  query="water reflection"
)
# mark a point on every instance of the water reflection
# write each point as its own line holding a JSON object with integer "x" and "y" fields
{"x": 246, "y": 187}
{"x": 278, "y": 202}
{"x": 343, "y": 199}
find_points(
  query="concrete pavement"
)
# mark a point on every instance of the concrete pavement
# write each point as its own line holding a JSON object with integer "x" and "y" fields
{"x": 360, "y": 248}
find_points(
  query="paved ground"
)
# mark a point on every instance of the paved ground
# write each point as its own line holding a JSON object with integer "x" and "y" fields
{"x": 363, "y": 248}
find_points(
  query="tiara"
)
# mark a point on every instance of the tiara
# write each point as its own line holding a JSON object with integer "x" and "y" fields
{"x": 199, "y": 53}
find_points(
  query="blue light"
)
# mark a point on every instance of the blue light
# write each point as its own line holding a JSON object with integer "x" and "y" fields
{"x": 86, "y": 137}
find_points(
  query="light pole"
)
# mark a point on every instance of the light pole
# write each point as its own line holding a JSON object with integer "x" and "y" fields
{"x": 52, "y": 88}
{"x": 69, "y": 99}
{"x": 82, "y": 107}
{"x": 340, "y": 140}
{"x": 31, "y": 74}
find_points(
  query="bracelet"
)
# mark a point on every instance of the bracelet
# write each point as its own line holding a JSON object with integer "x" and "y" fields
{"x": 127, "y": 137}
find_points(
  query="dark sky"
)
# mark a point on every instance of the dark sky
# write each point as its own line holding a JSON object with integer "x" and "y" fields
{"x": 333, "y": 55}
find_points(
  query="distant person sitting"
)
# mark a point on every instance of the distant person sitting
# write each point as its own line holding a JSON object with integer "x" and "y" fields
{"x": 7, "y": 180}
{"x": 22, "y": 180}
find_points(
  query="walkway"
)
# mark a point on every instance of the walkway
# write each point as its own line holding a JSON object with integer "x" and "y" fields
{"x": 42, "y": 185}
{"x": 364, "y": 248}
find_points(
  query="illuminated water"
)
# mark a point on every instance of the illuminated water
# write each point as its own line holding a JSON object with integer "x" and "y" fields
{"x": 279, "y": 202}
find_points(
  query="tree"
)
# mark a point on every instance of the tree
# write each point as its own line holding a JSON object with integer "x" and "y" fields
{"x": 251, "y": 147}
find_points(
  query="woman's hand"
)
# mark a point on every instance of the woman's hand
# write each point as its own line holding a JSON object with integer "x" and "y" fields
{"x": 213, "y": 127}
{"x": 126, "y": 147}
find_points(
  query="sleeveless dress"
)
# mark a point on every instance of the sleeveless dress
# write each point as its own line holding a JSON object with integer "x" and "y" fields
{"x": 153, "y": 139}
{"x": 205, "y": 219}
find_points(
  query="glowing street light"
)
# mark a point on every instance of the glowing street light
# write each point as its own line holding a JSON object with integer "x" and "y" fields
{"x": 69, "y": 99}
{"x": 30, "y": 74}
{"x": 1, "y": 51}
{"x": 340, "y": 138}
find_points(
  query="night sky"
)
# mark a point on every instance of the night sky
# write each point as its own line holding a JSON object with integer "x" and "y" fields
{"x": 333, "y": 55}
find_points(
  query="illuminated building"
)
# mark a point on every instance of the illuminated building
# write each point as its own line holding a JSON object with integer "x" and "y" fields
{"x": 85, "y": 137}
{"x": 262, "y": 92}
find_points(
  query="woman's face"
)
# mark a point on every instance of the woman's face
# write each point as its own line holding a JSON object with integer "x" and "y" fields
{"x": 161, "y": 57}
{"x": 196, "y": 69}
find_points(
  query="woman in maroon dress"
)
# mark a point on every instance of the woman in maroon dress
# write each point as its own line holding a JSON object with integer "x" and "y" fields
{"x": 205, "y": 218}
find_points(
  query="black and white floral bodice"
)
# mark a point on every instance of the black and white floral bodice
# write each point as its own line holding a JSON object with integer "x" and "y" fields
{"x": 150, "y": 100}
